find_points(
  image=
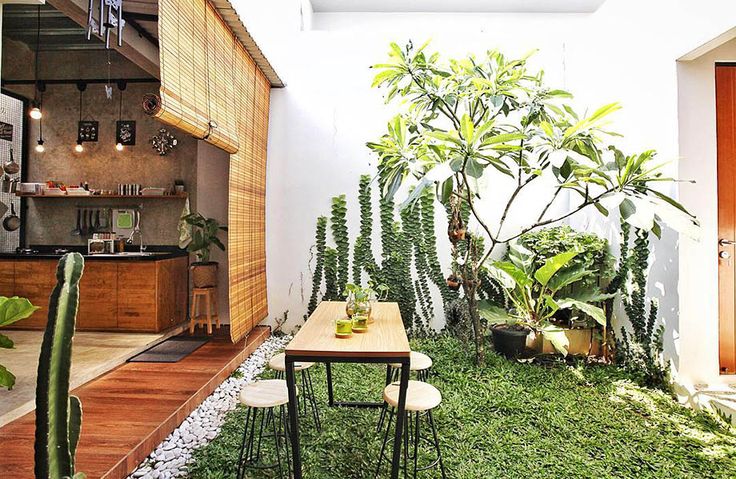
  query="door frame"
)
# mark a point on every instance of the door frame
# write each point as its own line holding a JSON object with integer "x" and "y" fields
{"x": 725, "y": 99}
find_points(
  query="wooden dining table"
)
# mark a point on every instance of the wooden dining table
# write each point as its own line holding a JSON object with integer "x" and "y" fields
{"x": 384, "y": 342}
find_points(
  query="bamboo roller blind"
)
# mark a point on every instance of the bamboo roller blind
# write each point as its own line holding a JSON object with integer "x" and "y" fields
{"x": 197, "y": 50}
{"x": 238, "y": 101}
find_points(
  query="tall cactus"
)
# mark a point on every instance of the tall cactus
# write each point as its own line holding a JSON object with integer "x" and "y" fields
{"x": 58, "y": 415}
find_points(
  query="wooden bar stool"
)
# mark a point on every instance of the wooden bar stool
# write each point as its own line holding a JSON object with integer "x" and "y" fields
{"x": 421, "y": 399}
{"x": 209, "y": 296}
{"x": 263, "y": 399}
{"x": 420, "y": 363}
{"x": 278, "y": 364}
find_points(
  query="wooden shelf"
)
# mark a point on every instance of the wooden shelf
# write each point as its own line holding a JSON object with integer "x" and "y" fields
{"x": 140, "y": 197}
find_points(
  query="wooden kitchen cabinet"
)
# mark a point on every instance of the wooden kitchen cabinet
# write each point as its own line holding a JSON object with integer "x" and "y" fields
{"x": 142, "y": 296}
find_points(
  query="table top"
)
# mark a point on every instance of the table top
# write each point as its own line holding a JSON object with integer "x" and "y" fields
{"x": 385, "y": 338}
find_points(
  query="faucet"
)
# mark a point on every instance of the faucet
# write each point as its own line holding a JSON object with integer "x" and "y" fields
{"x": 137, "y": 232}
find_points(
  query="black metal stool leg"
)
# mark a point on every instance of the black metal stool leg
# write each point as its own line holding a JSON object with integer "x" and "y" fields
{"x": 416, "y": 443}
{"x": 309, "y": 392}
{"x": 241, "y": 468}
{"x": 384, "y": 408}
{"x": 278, "y": 447}
{"x": 386, "y": 438}
{"x": 436, "y": 444}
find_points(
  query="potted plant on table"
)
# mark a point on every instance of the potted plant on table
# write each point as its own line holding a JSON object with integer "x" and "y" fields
{"x": 204, "y": 235}
{"x": 534, "y": 296}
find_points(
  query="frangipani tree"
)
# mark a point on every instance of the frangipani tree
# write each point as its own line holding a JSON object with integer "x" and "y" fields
{"x": 470, "y": 118}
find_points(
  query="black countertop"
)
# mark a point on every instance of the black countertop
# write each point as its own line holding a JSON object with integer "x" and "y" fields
{"x": 152, "y": 253}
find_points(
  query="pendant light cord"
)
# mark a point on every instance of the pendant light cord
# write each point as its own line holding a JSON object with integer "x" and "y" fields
{"x": 38, "y": 46}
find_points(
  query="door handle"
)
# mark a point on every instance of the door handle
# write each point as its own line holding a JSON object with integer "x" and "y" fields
{"x": 725, "y": 242}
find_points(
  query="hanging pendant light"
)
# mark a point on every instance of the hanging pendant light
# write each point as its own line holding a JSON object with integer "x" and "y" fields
{"x": 121, "y": 87}
{"x": 39, "y": 144}
{"x": 79, "y": 148}
{"x": 35, "y": 111}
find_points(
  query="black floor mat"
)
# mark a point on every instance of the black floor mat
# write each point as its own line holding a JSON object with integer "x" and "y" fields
{"x": 170, "y": 351}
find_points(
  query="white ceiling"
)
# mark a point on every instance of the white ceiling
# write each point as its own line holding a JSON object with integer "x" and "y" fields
{"x": 463, "y": 6}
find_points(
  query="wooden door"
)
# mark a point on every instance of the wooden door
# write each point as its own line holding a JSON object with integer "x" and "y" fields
{"x": 726, "y": 136}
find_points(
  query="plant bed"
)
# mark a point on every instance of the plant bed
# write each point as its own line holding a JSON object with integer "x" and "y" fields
{"x": 582, "y": 342}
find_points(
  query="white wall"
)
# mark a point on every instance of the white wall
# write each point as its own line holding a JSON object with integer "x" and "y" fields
{"x": 625, "y": 52}
{"x": 213, "y": 170}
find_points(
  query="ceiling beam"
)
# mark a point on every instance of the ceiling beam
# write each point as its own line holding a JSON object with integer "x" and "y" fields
{"x": 135, "y": 47}
{"x": 138, "y": 28}
{"x": 140, "y": 17}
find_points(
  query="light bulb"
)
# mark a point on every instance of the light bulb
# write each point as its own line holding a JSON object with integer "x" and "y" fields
{"x": 79, "y": 148}
{"x": 36, "y": 113}
{"x": 39, "y": 147}
{"x": 119, "y": 146}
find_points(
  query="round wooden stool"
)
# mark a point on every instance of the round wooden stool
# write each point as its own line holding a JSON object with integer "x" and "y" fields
{"x": 420, "y": 363}
{"x": 209, "y": 297}
{"x": 421, "y": 399}
{"x": 278, "y": 364}
{"x": 263, "y": 399}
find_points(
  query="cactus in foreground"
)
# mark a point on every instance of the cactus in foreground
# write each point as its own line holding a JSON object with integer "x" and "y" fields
{"x": 58, "y": 415}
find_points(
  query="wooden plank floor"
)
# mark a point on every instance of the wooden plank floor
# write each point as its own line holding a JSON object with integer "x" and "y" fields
{"x": 131, "y": 409}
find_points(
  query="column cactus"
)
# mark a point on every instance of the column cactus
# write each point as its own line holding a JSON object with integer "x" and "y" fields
{"x": 58, "y": 415}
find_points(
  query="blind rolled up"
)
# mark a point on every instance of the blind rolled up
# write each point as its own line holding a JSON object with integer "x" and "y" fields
{"x": 196, "y": 53}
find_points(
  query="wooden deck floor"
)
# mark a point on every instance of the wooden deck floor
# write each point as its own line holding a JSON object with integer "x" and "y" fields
{"x": 131, "y": 409}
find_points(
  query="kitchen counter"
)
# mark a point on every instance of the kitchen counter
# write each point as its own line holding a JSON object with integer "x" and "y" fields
{"x": 125, "y": 292}
{"x": 152, "y": 253}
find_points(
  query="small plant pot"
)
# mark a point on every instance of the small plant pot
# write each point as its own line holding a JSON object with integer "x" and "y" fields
{"x": 509, "y": 342}
{"x": 204, "y": 275}
{"x": 457, "y": 235}
{"x": 453, "y": 282}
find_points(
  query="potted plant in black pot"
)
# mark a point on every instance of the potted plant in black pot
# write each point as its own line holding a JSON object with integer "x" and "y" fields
{"x": 203, "y": 236}
{"x": 534, "y": 296}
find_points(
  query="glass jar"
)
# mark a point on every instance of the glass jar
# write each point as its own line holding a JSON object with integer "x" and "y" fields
{"x": 343, "y": 327}
{"x": 360, "y": 322}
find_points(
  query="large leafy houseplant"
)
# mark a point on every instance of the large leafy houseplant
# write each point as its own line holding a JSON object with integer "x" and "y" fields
{"x": 467, "y": 119}
{"x": 12, "y": 310}
{"x": 536, "y": 294}
{"x": 203, "y": 237}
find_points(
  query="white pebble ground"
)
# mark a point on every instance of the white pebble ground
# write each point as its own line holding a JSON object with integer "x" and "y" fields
{"x": 171, "y": 458}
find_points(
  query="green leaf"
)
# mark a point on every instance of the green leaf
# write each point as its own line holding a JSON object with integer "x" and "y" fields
{"x": 14, "y": 309}
{"x": 552, "y": 266}
{"x": 473, "y": 168}
{"x": 593, "y": 311}
{"x": 555, "y": 335}
{"x": 7, "y": 379}
{"x": 467, "y": 128}
{"x": 6, "y": 342}
{"x": 494, "y": 314}
{"x": 519, "y": 277}
{"x": 567, "y": 276}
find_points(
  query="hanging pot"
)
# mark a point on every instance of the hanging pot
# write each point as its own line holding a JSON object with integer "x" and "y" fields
{"x": 6, "y": 184}
{"x": 11, "y": 167}
{"x": 12, "y": 221}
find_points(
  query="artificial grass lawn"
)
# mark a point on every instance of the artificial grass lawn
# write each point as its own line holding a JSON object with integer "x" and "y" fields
{"x": 507, "y": 420}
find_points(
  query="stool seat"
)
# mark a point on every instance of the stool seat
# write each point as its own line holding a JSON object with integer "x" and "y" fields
{"x": 420, "y": 396}
{"x": 265, "y": 394}
{"x": 417, "y": 362}
{"x": 278, "y": 363}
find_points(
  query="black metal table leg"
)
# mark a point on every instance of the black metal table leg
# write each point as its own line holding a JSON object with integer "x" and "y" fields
{"x": 400, "y": 417}
{"x": 330, "y": 396}
{"x": 293, "y": 418}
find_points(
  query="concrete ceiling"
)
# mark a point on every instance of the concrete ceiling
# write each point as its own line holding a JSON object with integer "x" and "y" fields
{"x": 459, "y": 6}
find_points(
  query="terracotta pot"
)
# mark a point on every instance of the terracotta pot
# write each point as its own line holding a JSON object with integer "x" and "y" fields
{"x": 457, "y": 235}
{"x": 453, "y": 283}
{"x": 204, "y": 275}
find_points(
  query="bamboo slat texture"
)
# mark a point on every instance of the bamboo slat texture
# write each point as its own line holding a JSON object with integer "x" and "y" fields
{"x": 207, "y": 75}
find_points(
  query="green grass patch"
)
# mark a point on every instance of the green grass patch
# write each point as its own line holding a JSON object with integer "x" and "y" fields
{"x": 507, "y": 420}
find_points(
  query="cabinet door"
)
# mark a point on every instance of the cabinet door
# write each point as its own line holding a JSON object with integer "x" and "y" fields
{"x": 137, "y": 296}
{"x": 172, "y": 292}
{"x": 7, "y": 278}
{"x": 35, "y": 280}
{"x": 98, "y": 290}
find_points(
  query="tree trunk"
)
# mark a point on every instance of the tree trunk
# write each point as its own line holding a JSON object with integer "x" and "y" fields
{"x": 470, "y": 287}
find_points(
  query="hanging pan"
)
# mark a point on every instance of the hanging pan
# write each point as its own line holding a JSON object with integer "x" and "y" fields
{"x": 12, "y": 221}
